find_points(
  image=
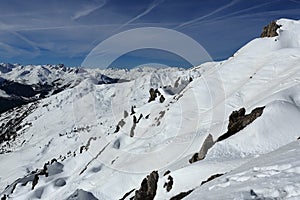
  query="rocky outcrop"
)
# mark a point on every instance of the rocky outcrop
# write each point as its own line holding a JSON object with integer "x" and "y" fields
{"x": 207, "y": 144}
{"x": 132, "y": 110}
{"x": 238, "y": 120}
{"x": 270, "y": 30}
{"x": 181, "y": 195}
{"x": 211, "y": 178}
{"x": 153, "y": 94}
{"x": 148, "y": 187}
{"x": 161, "y": 98}
{"x": 127, "y": 194}
{"x": 168, "y": 185}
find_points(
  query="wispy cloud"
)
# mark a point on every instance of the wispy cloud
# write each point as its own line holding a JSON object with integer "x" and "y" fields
{"x": 20, "y": 36}
{"x": 88, "y": 10}
{"x": 241, "y": 12}
{"x": 153, "y": 5}
{"x": 207, "y": 15}
{"x": 295, "y": 1}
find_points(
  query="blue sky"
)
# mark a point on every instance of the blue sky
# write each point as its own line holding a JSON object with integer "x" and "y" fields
{"x": 50, "y": 32}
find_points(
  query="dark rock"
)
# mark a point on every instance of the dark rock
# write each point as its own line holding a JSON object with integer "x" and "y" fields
{"x": 117, "y": 129}
{"x": 238, "y": 120}
{"x": 207, "y": 144}
{"x": 132, "y": 130}
{"x": 135, "y": 119}
{"x": 148, "y": 187}
{"x": 3, "y": 197}
{"x": 82, "y": 148}
{"x": 181, "y": 195}
{"x": 140, "y": 117}
{"x": 161, "y": 99}
{"x": 153, "y": 94}
{"x": 211, "y": 178}
{"x": 35, "y": 181}
{"x": 298, "y": 138}
{"x": 168, "y": 185}
{"x": 252, "y": 193}
{"x": 127, "y": 194}
{"x": 270, "y": 30}
{"x": 167, "y": 172}
{"x": 53, "y": 160}
{"x": 132, "y": 110}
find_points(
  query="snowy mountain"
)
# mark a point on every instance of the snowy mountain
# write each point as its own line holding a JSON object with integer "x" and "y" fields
{"x": 221, "y": 130}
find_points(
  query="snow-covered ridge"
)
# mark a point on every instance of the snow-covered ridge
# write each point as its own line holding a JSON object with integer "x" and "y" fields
{"x": 99, "y": 141}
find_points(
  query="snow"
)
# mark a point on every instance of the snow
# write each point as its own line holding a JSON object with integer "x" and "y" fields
{"x": 270, "y": 176}
{"x": 78, "y": 128}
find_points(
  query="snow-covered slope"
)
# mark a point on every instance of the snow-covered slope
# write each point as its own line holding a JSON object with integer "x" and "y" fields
{"x": 99, "y": 140}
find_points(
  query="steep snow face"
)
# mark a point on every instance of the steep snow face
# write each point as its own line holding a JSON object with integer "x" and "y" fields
{"x": 101, "y": 137}
{"x": 275, "y": 175}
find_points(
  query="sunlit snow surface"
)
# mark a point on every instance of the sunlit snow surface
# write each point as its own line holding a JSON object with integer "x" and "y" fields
{"x": 260, "y": 161}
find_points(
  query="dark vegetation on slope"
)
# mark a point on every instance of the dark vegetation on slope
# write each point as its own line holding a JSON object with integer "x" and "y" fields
{"x": 20, "y": 94}
{"x": 9, "y": 128}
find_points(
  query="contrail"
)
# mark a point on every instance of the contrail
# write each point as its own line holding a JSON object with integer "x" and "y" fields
{"x": 241, "y": 11}
{"x": 295, "y": 1}
{"x": 85, "y": 12}
{"x": 31, "y": 43}
{"x": 207, "y": 15}
{"x": 154, "y": 4}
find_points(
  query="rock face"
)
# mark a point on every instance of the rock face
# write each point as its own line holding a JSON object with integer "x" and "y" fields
{"x": 148, "y": 187}
{"x": 207, "y": 144}
{"x": 238, "y": 120}
{"x": 181, "y": 195}
{"x": 161, "y": 99}
{"x": 155, "y": 93}
{"x": 270, "y": 30}
{"x": 168, "y": 185}
{"x": 211, "y": 178}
